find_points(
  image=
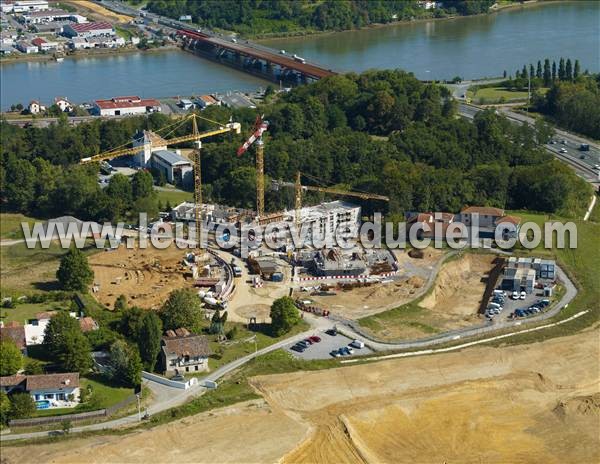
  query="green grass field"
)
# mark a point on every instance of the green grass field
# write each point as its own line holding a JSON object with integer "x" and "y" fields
{"x": 25, "y": 311}
{"x": 497, "y": 94}
{"x": 10, "y": 225}
{"x": 173, "y": 196}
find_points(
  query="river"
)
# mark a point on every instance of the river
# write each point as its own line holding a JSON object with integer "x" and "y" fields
{"x": 472, "y": 47}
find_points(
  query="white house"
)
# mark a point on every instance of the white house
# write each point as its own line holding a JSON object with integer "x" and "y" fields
{"x": 47, "y": 390}
{"x": 63, "y": 104}
{"x": 44, "y": 45}
{"x": 117, "y": 106}
{"x": 182, "y": 351}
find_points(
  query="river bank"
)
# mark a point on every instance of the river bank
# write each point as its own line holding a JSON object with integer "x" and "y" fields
{"x": 89, "y": 53}
{"x": 312, "y": 32}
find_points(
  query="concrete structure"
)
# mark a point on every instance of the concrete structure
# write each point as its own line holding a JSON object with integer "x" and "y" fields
{"x": 328, "y": 217}
{"x": 521, "y": 274}
{"x": 47, "y": 390}
{"x": 333, "y": 263}
{"x": 544, "y": 268}
{"x": 117, "y": 106}
{"x": 236, "y": 100}
{"x": 87, "y": 30}
{"x": 519, "y": 279}
{"x": 24, "y": 6}
{"x": 182, "y": 351}
{"x": 26, "y": 47}
{"x": 155, "y": 155}
{"x": 212, "y": 214}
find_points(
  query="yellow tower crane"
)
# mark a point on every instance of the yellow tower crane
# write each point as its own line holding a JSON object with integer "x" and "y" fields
{"x": 299, "y": 188}
{"x": 195, "y": 137}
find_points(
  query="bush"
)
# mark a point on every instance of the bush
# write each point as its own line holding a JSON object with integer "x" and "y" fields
{"x": 22, "y": 406}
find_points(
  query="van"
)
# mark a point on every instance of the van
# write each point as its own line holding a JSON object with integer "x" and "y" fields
{"x": 501, "y": 293}
{"x": 494, "y": 305}
{"x": 357, "y": 344}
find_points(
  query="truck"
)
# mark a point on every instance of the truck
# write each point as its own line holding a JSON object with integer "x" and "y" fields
{"x": 299, "y": 59}
{"x": 584, "y": 147}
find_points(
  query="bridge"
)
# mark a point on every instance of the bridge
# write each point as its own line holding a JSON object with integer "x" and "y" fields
{"x": 253, "y": 58}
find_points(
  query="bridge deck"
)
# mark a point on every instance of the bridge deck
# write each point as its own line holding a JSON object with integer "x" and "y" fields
{"x": 247, "y": 49}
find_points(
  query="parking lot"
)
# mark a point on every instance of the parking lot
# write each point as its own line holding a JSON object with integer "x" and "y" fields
{"x": 510, "y": 305}
{"x": 328, "y": 343}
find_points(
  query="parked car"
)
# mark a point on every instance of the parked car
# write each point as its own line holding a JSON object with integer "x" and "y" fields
{"x": 314, "y": 339}
{"x": 515, "y": 295}
{"x": 298, "y": 348}
{"x": 332, "y": 332}
{"x": 523, "y": 295}
{"x": 335, "y": 353}
{"x": 303, "y": 343}
{"x": 563, "y": 150}
{"x": 357, "y": 344}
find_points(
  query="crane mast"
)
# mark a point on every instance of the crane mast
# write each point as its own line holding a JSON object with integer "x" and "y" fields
{"x": 260, "y": 126}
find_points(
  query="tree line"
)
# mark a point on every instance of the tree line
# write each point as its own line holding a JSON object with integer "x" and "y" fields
{"x": 255, "y": 17}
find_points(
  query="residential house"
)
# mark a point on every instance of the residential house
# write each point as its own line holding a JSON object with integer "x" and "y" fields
{"x": 428, "y": 225}
{"x": 35, "y": 107}
{"x": 47, "y": 390}
{"x": 64, "y": 104}
{"x": 88, "y": 324}
{"x": 487, "y": 219}
{"x": 16, "y": 333}
{"x": 182, "y": 351}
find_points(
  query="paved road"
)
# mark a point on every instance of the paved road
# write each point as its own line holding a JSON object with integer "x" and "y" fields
{"x": 573, "y": 156}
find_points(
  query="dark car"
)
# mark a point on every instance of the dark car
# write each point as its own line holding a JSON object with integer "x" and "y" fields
{"x": 332, "y": 332}
{"x": 298, "y": 348}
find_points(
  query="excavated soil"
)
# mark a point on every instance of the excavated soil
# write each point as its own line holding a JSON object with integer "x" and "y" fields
{"x": 459, "y": 286}
{"x": 518, "y": 404}
{"x": 144, "y": 276}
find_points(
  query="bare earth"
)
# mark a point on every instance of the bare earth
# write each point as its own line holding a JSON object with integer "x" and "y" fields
{"x": 145, "y": 277}
{"x": 362, "y": 302}
{"x": 518, "y": 404}
{"x": 98, "y": 12}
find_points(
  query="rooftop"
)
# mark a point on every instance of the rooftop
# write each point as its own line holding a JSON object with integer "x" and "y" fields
{"x": 54, "y": 381}
{"x": 187, "y": 345}
{"x": 126, "y": 102}
{"x": 86, "y": 27}
{"x": 170, "y": 157}
{"x": 483, "y": 210}
{"x": 16, "y": 334}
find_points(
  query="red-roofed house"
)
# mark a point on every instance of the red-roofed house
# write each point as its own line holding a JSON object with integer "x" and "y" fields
{"x": 206, "y": 100}
{"x": 429, "y": 225}
{"x": 63, "y": 104}
{"x": 44, "y": 45}
{"x": 125, "y": 105}
{"x": 35, "y": 107}
{"x": 86, "y": 30}
{"x": 16, "y": 333}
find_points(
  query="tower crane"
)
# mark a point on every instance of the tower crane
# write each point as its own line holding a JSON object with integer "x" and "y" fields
{"x": 260, "y": 126}
{"x": 195, "y": 137}
{"x": 299, "y": 188}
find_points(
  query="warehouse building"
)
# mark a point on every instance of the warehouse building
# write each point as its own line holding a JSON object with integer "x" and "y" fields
{"x": 87, "y": 30}
{"x": 118, "y": 106}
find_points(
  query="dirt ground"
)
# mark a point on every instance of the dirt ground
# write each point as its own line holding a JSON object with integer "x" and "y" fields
{"x": 518, "y": 404}
{"x": 365, "y": 301}
{"x": 459, "y": 286}
{"x": 145, "y": 277}
{"x": 98, "y": 12}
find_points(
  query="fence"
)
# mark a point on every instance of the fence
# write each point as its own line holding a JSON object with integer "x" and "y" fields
{"x": 72, "y": 417}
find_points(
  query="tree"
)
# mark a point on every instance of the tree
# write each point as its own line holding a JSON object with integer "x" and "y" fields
{"x": 67, "y": 345}
{"x": 547, "y": 73}
{"x": 543, "y": 132}
{"x": 182, "y": 309}
{"x": 561, "y": 70}
{"x": 576, "y": 70}
{"x": 33, "y": 367}
{"x": 554, "y": 76}
{"x": 149, "y": 339}
{"x": 66, "y": 426}
{"x": 125, "y": 365}
{"x": 22, "y": 406}
{"x": 569, "y": 70}
{"x": 284, "y": 315}
{"x": 74, "y": 272}
{"x": 142, "y": 185}
{"x": 538, "y": 71}
{"x": 5, "y": 406}
{"x": 131, "y": 321}
{"x": 121, "y": 303}
{"x": 11, "y": 359}
{"x": 119, "y": 192}
{"x": 217, "y": 323}
{"x": 524, "y": 72}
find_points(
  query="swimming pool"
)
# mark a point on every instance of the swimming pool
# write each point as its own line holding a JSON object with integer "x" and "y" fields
{"x": 42, "y": 404}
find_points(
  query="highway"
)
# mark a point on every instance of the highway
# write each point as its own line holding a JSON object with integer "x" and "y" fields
{"x": 582, "y": 162}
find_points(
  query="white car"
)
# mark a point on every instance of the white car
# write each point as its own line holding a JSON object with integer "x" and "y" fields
{"x": 523, "y": 295}
{"x": 357, "y": 344}
{"x": 597, "y": 167}
{"x": 515, "y": 295}
{"x": 563, "y": 150}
